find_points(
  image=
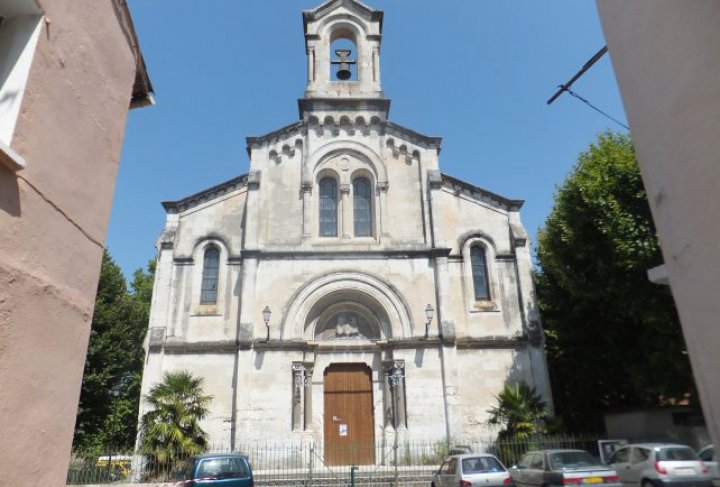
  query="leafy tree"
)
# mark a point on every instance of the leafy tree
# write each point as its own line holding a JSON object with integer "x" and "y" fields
{"x": 110, "y": 394}
{"x": 521, "y": 412}
{"x": 613, "y": 337}
{"x": 170, "y": 430}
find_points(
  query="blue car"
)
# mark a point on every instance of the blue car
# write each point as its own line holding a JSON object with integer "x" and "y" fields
{"x": 217, "y": 470}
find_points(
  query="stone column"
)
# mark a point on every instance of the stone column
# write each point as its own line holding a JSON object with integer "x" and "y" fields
{"x": 346, "y": 220}
{"x": 383, "y": 219}
{"x": 246, "y": 329}
{"x": 298, "y": 371}
{"x": 311, "y": 65}
{"x": 395, "y": 386}
{"x": 306, "y": 189}
{"x": 307, "y": 396}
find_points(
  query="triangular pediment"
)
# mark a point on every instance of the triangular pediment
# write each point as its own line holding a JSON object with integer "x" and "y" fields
{"x": 330, "y": 6}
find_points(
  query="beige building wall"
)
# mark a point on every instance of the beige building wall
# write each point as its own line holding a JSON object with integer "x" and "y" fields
{"x": 53, "y": 218}
{"x": 665, "y": 56}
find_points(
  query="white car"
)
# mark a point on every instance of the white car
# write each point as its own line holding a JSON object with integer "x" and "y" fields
{"x": 710, "y": 459}
{"x": 659, "y": 465}
{"x": 471, "y": 470}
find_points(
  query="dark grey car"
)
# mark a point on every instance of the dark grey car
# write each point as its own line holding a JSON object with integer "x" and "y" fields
{"x": 552, "y": 468}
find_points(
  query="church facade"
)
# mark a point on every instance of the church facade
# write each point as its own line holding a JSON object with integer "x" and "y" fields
{"x": 345, "y": 291}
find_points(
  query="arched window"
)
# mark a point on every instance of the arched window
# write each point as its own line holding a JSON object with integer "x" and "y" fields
{"x": 362, "y": 207}
{"x": 480, "y": 273}
{"x": 211, "y": 266}
{"x": 328, "y": 207}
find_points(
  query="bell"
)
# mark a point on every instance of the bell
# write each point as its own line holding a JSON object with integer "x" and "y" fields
{"x": 344, "y": 73}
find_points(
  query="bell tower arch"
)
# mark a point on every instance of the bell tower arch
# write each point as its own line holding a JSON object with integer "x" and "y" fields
{"x": 342, "y": 41}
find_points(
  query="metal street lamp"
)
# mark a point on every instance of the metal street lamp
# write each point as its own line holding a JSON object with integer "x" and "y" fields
{"x": 266, "y": 318}
{"x": 429, "y": 311}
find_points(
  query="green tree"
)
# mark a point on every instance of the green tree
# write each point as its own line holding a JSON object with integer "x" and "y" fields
{"x": 170, "y": 430}
{"x": 110, "y": 394}
{"x": 520, "y": 412}
{"x": 613, "y": 337}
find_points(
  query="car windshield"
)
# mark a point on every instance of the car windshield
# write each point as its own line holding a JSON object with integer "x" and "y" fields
{"x": 571, "y": 460}
{"x": 481, "y": 465}
{"x": 680, "y": 454}
{"x": 223, "y": 468}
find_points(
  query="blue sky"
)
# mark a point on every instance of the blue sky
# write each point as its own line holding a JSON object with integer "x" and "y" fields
{"x": 475, "y": 72}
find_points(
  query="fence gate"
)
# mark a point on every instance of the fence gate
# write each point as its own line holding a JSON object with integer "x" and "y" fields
{"x": 348, "y": 416}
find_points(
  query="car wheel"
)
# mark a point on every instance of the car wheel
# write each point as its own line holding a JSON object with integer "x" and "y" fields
{"x": 647, "y": 483}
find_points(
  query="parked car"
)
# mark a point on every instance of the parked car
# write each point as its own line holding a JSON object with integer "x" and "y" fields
{"x": 216, "y": 470}
{"x": 659, "y": 465}
{"x": 710, "y": 459}
{"x": 549, "y": 468}
{"x": 470, "y": 470}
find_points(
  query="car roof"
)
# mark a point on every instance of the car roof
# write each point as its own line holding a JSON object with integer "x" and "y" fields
{"x": 659, "y": 445}
{"x": 472, "y": 455}
{"x": 220, "y": 455}
{"x": 558, "y": 450}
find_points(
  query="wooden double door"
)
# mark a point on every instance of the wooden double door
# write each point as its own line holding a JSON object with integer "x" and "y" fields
{"x": 348, "y": 415}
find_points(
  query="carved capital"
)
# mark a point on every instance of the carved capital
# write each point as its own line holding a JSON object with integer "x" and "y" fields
{"x": 345, "y": 188}
{"x": 382, "y": 186}
{"x": 434, "y": 179}
{"x": 157, "y": 336}
{"x": 535, "y": 332}
{"x": 395, "y": 372}
{"x": 167, "y": 239}
{"x": 306, "y": 186}
{"x": 253, "y": 180}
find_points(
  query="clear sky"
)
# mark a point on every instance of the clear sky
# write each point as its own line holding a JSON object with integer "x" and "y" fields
{"x": 475, "y": 72}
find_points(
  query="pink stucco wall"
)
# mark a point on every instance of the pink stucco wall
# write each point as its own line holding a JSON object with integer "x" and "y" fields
{"x": 53, "y": 219}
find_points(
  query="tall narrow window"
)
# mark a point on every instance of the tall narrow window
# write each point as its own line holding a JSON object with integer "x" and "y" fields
{"x": 362, "y": 207}
{"x": 211, "y": 265}
{"x": 328, "y": 207}
{"x": 479, "y": 273}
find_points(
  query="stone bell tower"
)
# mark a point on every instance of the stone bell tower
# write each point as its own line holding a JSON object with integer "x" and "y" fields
{"x": 342, "y": 40}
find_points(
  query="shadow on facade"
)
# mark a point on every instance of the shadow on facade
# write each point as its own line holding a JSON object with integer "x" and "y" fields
{"x": 9, "y": 193}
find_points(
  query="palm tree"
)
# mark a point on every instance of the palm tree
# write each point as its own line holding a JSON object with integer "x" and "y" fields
{"x": 520, "y": 412}
{"x": 170, "y": 430}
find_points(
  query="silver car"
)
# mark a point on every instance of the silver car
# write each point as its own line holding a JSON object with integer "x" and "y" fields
{"x": 551, "y": 468}
{"x": 470, "y": 470}
{"x": 659, "y": 465}
{"x": 710, "y": 459}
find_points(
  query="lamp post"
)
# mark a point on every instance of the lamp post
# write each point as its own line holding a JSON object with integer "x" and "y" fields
{"x": 266, "y": 318}
{"x": 429, "y": 311}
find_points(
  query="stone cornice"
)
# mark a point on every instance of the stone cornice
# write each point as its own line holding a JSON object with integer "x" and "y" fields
{"x": 491, "y": 343}
{"x": 283, "y": 133}
{"x": 337, "y": 123}
{"x": 311, "y": 103}
{"x": 479, "y": 194}
{"x": 414, "y": 137}
{"x": 327, "y": 255}
{"x": 221, "y": 346}
{"x": 333, "y": 254}
{"x": 206, "y": 195}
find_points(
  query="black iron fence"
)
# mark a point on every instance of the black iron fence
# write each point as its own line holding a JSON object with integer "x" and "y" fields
{"x": 390, "y": 464}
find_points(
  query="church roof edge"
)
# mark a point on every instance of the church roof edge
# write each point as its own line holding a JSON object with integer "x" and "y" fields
{"x": 482, "y": 194}
{"x": 205, "y": 195}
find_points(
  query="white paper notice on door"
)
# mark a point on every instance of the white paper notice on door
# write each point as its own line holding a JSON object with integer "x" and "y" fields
{"x": 342, "y": 429}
